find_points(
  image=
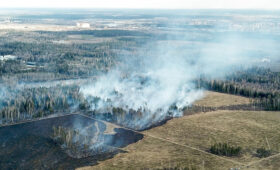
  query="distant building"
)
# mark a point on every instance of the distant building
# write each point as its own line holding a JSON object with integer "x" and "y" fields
{"x": 8, "y": 57}
{"x": 7, "y": 20}
{"x": 31, "y": 63}
{"x": 83, "y": 25}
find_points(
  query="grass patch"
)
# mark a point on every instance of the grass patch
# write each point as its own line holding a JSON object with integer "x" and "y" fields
{"x": 215, "y": 99}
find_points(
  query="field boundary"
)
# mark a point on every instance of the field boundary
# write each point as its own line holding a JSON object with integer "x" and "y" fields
{"x": 148, "y": 135}
{"x": 263, "y": 159}
{"x": 166, "y": 140}
{"x": 34, "y": 120}
{"x": 190, "y": 147}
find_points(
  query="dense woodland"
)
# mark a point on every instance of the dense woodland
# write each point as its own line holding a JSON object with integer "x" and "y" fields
{"x": 260, "y": 84}
{"x": 32, "y": 103}
{"x": 17, "y": 104}
{"x": 63, "y": 59}
{"x": 62, "y": 56}
{"x": 42, "y": 57}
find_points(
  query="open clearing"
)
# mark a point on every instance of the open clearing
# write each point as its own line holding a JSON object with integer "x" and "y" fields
{"x": 215, "y": 99}
{"x": 184, "y": 142}
{"x": 239, "y": 128}
{"x": 158, "y": 154}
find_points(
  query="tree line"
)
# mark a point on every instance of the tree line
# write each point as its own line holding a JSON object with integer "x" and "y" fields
{"x": 39, "y": 102}
{"x": 259, "y": 83}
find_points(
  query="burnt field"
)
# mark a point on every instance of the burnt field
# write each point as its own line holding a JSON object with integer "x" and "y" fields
{"x": 32, "y": 145}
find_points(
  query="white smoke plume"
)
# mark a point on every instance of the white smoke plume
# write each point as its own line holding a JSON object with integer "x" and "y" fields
{"x": 150, "y": 86}
{"x": 159, "y": 81}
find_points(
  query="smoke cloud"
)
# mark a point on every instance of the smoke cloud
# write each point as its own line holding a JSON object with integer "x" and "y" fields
{"x": 150, "y": 84}
{"x": 159, "y": 81}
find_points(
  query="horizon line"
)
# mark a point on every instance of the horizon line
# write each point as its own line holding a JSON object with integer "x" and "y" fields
{"x": 140, "y": 8}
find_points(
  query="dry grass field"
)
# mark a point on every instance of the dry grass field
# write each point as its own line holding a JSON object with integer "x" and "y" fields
{"x": 184, "y": 142}
{"x": 272, "y": 162}
{"x": 239, "y": 128}
{"x": 215, "y": 99}
{"x": 153, "y": 153}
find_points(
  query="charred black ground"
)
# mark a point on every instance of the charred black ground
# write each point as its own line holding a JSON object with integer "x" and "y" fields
{"x": 29, "y": 145}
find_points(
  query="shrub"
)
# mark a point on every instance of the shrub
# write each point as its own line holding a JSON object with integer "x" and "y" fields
{"x": 262, "y": 152}
{"x": 225, "y": 149}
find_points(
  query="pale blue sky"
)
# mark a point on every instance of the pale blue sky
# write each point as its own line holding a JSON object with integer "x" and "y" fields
{"x": 173, "y": 4}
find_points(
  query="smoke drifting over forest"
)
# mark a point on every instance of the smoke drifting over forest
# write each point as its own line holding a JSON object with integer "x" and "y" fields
{"x": 148, "y": 84}
{"x": 160, "y": 81}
